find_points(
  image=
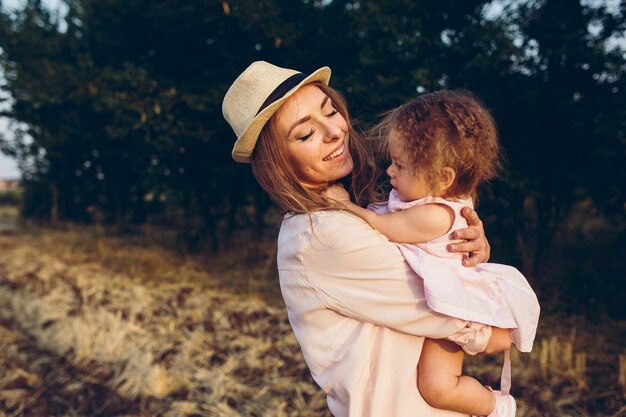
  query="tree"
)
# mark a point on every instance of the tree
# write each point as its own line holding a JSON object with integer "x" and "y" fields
{"x": 121, "y": 102}
{"x": 561, "y": 122}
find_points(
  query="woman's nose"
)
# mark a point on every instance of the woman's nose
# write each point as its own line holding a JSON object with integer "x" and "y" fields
{"x": 332, "y": 131}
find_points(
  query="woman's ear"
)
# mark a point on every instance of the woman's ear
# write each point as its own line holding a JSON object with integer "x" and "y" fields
{"x": 446, "y": 178}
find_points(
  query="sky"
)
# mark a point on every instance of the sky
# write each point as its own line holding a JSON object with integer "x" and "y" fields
{"x": 8, "y": 168}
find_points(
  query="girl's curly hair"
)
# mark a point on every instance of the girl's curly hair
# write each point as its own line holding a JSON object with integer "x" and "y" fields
{"x": 448, "y": 128}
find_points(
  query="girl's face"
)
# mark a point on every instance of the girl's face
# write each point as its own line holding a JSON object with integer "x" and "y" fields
{"x": 408, "y": 183}
{"x": 316, "y": 135}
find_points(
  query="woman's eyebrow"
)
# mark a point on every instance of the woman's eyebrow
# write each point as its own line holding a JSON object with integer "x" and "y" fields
{"x": 326, "y": 98}
{"x": 302, "y": 120}
{"x": 305, "y": 118}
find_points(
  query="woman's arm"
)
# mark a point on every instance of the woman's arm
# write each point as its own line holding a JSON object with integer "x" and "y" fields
{"x": 416, "y": 224}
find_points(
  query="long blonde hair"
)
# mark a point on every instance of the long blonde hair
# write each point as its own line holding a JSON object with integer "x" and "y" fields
{"x": 275, "y": 172}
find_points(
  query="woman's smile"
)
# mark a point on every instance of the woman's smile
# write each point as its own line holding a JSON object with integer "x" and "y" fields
{"x": 337, "y": 153}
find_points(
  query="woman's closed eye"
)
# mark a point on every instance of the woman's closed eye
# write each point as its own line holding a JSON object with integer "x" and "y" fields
{"x": 332, "y": 112}
{"x": 305, "y": 137}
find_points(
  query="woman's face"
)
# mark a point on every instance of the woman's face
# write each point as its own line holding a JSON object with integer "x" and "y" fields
{"x": 316, "y": 135}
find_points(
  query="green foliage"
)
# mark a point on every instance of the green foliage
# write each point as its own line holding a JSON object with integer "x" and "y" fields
{"x": 119, "y": 103}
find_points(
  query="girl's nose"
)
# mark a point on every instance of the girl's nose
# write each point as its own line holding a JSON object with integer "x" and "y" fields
{"x": 390, "y": 171}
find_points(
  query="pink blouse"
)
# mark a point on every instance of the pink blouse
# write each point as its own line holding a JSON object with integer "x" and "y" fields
{"x": 360, "y": 317}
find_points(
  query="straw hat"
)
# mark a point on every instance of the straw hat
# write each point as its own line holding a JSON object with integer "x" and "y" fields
{"x": 254, "y": 97}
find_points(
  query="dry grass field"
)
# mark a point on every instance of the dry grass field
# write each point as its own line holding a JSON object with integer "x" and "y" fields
{"x": 8, "y": 217}
{"x": 101, "y": 326}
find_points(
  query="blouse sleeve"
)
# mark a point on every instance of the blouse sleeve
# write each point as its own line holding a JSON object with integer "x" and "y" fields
{"x": 357, "y": 272}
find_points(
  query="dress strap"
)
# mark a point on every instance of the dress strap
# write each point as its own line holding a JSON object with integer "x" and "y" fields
{"x": 505, "y": 378}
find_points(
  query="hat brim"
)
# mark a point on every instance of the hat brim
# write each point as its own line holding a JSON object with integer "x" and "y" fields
{"x": 244, "y": 146}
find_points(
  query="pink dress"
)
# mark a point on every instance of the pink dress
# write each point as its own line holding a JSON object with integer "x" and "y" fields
{"x": 493, "y": 294}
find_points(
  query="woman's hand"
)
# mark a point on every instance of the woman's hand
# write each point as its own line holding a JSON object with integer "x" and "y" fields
{"x": 336, "y": 192}
{"x": 476, "y": 247}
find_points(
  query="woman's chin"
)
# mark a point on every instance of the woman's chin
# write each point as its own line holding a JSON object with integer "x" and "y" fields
{"x": 341, "y": 174}
{"x": 346, "y": 166}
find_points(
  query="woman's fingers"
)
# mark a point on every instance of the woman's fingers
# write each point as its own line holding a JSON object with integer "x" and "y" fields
{"x": 476, "y": 244}
{"x": 466, "y": 247}
{"x": 472, "y": 217}
{"x": 468, "y": 234}
{"x": 476, "y": 250}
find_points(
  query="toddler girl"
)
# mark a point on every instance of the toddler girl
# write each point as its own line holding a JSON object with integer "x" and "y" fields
{"x": 442, "y": 146}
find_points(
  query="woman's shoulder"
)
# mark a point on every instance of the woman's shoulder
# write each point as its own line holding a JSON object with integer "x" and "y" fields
{"x": 333, "y": 239}
{"x": 335, "y": 228}
{"x": 323, "y": 220}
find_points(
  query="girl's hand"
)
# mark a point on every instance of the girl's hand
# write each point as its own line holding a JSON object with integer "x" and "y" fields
{"x": 336, "y": 192}
{"x": 476, "y": 244}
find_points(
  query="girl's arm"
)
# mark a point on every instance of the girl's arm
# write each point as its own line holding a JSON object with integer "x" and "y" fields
{"x": 413, "y": 225}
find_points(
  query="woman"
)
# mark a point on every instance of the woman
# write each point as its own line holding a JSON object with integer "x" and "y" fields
{"x": 356, "y": 308}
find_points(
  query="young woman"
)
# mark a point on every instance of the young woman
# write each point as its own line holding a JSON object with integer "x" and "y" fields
{"x": 357, "y": 309}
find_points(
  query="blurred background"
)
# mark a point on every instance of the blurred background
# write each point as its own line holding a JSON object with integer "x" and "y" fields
{"x": 111, "y": 122}
{"x": 114, "y": 114}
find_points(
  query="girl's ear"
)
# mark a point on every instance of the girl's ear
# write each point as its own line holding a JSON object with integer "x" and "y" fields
{"x": 446, "y": 179}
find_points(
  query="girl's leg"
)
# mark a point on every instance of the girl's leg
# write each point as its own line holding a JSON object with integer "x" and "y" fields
{"x": 441, "y": 384}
